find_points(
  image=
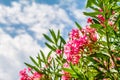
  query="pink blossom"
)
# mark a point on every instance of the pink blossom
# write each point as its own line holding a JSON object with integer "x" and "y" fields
{"x": 101, "y": 18}
{"x": 110, "y": 22}
{"x": 88, "y": 29}
{"x": 89, "y": 20}
{"x": 72, "y": 49}
{"x": 74, "y": 34}
{"x": 76, "y": 59}
{"x": 24, "y": 75}
{"x": 64, "y": 77}
{"x": 49, "y": 59}
{"x": 29, "y": 69}
{"x": 66, "y": 65}
{"x": 92, "y": 33}
{"x": 113, "y": 12}
{"x": 58, "y": 51}
{"x": 118, "y": 58}
{"x": 23, "y": 72}
{"x": 76, "y": 43}
{"x": 36, "y": 75}
{"x": 100, "y": 10}
{"x": 93, "y": 37}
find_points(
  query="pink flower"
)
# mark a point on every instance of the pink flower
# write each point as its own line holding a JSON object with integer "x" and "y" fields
{"x": 29, "y": 69}
{"x": 24, "y": 75}
{"x": 113, "y": 12}
{"x": 88, "y": 29}
{"x": 89, "y": 20}
{"x": 64, "y": 77}
{"x": 118, "y": 58}
{"x": 76, "y": 59}
{"x": 100, "y": 10}
{"x": 23, "y": 72}
{"x": 74, "y": 34}
{"x": 58, "y": 51}
{"x": 101, "y": 18}
{"x": 77, "y": 42}
{"x": 37, "y": 75}
{"x": 94, "y": 37}
{"x": 110, "y": 22}
{"x": 72, "y": 49}
{"x": 66, "y": 65}
{"x": 92, "y": 33}
{"x": 49, "y": 59}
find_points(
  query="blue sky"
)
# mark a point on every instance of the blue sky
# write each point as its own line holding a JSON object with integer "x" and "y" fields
{"x": 22, "y": 23}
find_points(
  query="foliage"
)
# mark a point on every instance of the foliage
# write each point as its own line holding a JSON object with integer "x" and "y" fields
{"x": 91, "y": 53}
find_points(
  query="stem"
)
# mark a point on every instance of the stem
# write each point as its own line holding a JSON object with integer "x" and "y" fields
{"x": 109, "y": 50}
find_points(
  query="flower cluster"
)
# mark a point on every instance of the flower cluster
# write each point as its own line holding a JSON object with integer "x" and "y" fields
{"x": 78, "y": 40}
{"x": 25, "y": 75}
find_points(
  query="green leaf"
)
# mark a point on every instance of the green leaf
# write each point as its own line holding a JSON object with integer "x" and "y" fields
{"x": 79, "y": 27}
{"x": 68, "y": 70}
{"x": 100, "y": 55}
{"x": 97, "y": 69}
{"x": 99, "y": 76}
{"x": 54, "y": 65}
{"x": 91, "y": 3}
{"x": 119, "y": 25}
{"x": 92, "y": 14}
{"x": 116, "y": 8}
{"x": 49, "y": 55}
{"x": 95, "y": 21}
{"x": 53, "y": 36}
{"x": 49, "y": 46}
{"x": 48, "y": 38}
{"x": 58, "y": 35}
{"x": 58, "y": 60}
{"x": 33, "y": 67}
{"x": 94, "y": 8}
{"x": 98, "y": 26}
{"x": 62, "y": 39}
{"x": 39, "y": 60}
{"x": 43, "y": 56}
{"x": 77, "y": 72}
{"x": 32, "y": 59}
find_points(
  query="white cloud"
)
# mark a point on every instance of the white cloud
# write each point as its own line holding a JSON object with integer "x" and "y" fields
{"x": 81, "y": 18}
{"x": 75, "y": 10}
{"x": 38, "y": 17}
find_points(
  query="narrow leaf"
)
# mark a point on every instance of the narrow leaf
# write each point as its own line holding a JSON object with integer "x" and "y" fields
{"x": 48, "y": 38}
{"x": 92, "y": 14}
{"x": 49, "y": 55}
{"x": 62, "y": 40}
{"x": 43, "y": 56}
{"x": 49, "y": 46}
{"x": 58, "y": 35}
{"x": 33, "y": 67}
{"x": 34, "y": 61}
{"x": 53, "y": 36}
{"x": 79, "y": 27}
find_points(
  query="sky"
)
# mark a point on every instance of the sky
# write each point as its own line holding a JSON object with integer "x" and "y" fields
{"x": 22, "y": 23}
